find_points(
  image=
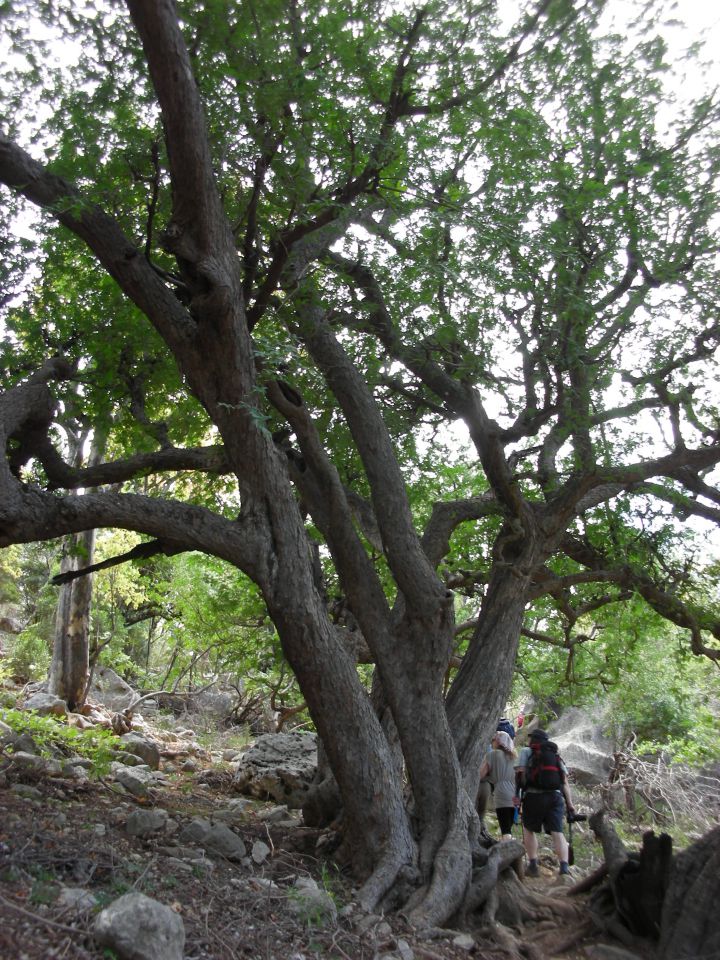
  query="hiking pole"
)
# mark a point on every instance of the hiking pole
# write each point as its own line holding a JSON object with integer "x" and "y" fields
{"x": 571, "y": 819}
{"x": 518, "y": 809}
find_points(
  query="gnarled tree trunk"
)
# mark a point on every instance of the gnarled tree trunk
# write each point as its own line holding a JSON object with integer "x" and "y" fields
{"x": 690, "y": 924}
{"x": 661, "y": 897}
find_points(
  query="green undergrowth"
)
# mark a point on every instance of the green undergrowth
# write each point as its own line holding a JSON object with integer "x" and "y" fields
{"x": 52, "y": 736}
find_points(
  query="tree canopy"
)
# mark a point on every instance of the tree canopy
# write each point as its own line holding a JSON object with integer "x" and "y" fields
{"x": 386, "y": 308}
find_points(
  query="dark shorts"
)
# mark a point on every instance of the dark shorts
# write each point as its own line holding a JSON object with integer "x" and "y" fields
{"x": 544, "y": 810}
{"x": 506, "y": 818}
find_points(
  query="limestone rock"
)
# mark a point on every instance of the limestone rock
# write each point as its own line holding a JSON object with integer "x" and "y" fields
{"x": 109, "y": 689}
{"x": 76, "y": 898}
{"x": 143, "y": 823}
{"x": 136, "y": 780}
{"x": 137, "y": 927}
{"x": 142, "y": 747}
{"x": 217, "y": 839}
{"x": 279, "y": 767}
{"x": 46, "y": 704}
{"x": 583, "y": 745}
{"x": 310, "y": 904}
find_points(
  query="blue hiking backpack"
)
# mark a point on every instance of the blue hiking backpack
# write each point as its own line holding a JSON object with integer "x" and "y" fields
{"x": 505, "y": 725}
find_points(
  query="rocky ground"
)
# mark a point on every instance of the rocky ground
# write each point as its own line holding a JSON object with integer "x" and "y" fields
{"x": 246, "y": 877}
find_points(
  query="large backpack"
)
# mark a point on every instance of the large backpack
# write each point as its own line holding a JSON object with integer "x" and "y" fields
{"x": 543, "y": 769}
{"x": 504, "y": 724}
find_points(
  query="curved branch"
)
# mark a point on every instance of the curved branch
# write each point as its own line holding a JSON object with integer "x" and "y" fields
{"x": 61, "y": 475}
{"x": 31, "y": 514}
{"x": 668, "y": 605}
{"x": 142, "y": 551}
{"x": 117, "y": 254}
{"x": 447, "y": 516}
{"x": 327, "y": 500}
{"x": 463, "y": 401}
{"x": 600, "y": 485}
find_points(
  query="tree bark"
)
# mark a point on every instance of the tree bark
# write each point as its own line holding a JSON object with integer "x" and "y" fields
{"x": 658, "y": 896}
{"x": 480, "y": 690}
{"x": 420, "y": 857}
{"x": 70, "y": 658}
{"x": 690, "y": 918}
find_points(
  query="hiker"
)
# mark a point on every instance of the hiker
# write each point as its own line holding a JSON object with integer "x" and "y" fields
{"x": 506, "y": 726}
{"x": 498, "y": 769}
{"x": 541, "y": 784}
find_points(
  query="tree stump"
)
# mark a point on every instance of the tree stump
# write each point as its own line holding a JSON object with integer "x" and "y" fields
{"x": 638, "y": 880}
{"x": 690, "y": 918}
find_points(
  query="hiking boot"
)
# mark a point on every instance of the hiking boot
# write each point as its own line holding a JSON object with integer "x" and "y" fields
{"x": 532, "y": 870}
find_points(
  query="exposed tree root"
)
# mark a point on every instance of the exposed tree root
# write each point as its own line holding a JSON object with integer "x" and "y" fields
{"x": 580, "y": 932}
{"x": 449, "y": 882}
{"x": 615, "y": 853}
{"x": 485, "y": 880}
{"x": 638, "y": 880}
{"x": 393, "y": 877}
{"x": 590, "y": 881}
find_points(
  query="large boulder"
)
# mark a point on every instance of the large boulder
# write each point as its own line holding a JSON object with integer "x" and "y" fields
{"x": 279, "y": 767}
{"x": 46, "y": 704}
{"x": 136, "y": 927}
{"x": 216, "y": 702}
{"x": 109, "y": 689}
{"x": 583, "y": 745}
{"x": 142, "y": 747}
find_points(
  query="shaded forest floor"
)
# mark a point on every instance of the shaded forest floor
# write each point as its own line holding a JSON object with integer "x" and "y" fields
{"x": 73, "y": 836}
{"x": 70, "y": 835}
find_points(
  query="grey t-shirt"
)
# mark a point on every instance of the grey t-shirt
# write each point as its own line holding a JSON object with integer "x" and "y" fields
{"x": 502, "y": 775}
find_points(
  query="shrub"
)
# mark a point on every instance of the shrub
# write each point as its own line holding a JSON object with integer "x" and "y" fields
{"x": 29, "y": 655}
{"x": 52, "y": 736}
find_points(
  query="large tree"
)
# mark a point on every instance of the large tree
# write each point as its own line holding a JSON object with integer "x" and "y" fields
{"x": 332, "y": 233}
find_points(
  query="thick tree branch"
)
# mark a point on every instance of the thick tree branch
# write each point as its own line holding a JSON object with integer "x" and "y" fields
{"x": 461, "y": 400}
{"x": 121, "y": 258}
{"x": 447, "y": 516}
{"x": 405, "y": 556}
{"x": 61, "y": 476}
{"x": 673, "y": 608}
{"x": 326, "y": 498}
{"x": 603, "y": 484}
{"x": 199, "y": 231}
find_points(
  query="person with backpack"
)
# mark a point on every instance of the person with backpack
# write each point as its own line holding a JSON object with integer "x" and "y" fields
{"x": 498, "y": 769}
{"x": 506, "y": 726}
{"x": 541, "y": 786}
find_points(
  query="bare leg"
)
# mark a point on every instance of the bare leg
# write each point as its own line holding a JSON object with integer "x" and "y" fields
{"x": 560, "y": 846}
{"x": 530, "y": 843}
